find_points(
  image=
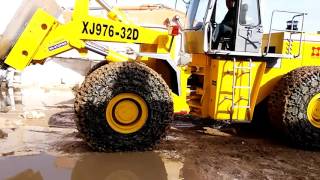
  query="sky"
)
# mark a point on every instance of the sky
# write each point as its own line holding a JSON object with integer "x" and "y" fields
{"x": 311, "y": 7}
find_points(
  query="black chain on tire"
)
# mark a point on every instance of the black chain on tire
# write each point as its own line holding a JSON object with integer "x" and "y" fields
{"x": 288, "y": 105}
{"x": 96, "y": 66}
{"x": 110, "y": 80}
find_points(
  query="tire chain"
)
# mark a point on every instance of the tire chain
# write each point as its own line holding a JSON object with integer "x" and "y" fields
{"x": 108, "y": 81}
{"x": 288, "y": 103}
{"x": 96, "y": 66}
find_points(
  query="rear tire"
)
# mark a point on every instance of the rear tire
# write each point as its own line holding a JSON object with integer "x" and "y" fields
{"x": 289, "y": 103}
{"x": 106, "y": 83}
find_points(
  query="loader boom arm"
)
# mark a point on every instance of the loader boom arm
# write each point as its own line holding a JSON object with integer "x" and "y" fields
{"x": 45, "y": 37}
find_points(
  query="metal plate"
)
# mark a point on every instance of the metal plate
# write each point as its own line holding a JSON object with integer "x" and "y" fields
{"x": 194, "y": 41}
{"x": 23, "y": 13}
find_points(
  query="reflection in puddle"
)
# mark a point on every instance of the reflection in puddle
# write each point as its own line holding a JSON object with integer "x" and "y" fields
{"x": 120, "y": 166}
{"x": 95, "y": 166}
{"x": 40, "y": 167}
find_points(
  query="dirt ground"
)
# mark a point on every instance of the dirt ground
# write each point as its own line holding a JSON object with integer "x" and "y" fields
{"x": 38, "y": 143}
{"x": 219, "y": 156}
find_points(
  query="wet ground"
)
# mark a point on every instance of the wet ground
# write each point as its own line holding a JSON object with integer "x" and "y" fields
{"x": 90, "y": 166}
{"x": 44, "y": 144}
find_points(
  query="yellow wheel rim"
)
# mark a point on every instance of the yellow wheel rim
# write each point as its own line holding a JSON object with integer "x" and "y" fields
{"x": 314, "y": 111}
{"x": 127, "y": 113}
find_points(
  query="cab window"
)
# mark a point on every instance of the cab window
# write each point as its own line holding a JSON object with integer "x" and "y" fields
{"x": 249, "y": 13}
{"x": 221, "y": 10}
{"x": 196, "y": 12}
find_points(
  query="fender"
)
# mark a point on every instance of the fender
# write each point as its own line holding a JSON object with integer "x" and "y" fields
{"x": 176, "y": 79}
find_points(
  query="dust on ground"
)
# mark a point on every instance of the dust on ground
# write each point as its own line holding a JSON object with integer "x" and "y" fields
{"x": 49, "y": 142}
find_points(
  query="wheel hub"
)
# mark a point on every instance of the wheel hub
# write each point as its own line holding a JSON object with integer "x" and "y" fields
{"x": 126, "y": 113}
{"x": 313, "y": 111}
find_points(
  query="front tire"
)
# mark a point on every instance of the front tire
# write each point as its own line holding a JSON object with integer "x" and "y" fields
{"x": 96, "y": 66}
{"x": 294, "y": 107}
{"x": 123, "y": 107}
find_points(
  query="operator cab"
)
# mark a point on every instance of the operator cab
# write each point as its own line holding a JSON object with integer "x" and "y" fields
{"x": 206, "y": 25}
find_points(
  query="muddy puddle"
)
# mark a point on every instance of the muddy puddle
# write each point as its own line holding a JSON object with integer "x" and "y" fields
{"x": 92, "y": 166}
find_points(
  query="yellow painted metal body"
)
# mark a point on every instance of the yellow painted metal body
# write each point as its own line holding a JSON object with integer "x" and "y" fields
{"x": 180, "y": 102}
{"x": 313, "y": 111}
{"x": 38, "y": 43}
{"x": 127, "y": 113}
{"x": 212, "y": 96}
{"x": 58, "y": 38}
{"x": 308, "y": 57}
{"x": 45, "y": 37}
{"x": 30, "y": 40}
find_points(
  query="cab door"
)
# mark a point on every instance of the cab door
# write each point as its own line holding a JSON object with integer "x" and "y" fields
{"x": 249, "y": 27}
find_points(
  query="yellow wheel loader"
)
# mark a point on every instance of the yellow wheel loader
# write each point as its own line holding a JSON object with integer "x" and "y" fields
{"x": 128, "y": 104}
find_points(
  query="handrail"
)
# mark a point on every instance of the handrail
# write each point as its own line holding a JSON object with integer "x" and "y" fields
{"x": 291, "y": 31}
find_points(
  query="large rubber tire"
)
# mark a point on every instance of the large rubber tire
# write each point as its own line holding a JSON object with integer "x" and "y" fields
{"x": 288, "y": 103}
{"x": 96, "y": 66}
{"x": 107, "y": 82}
